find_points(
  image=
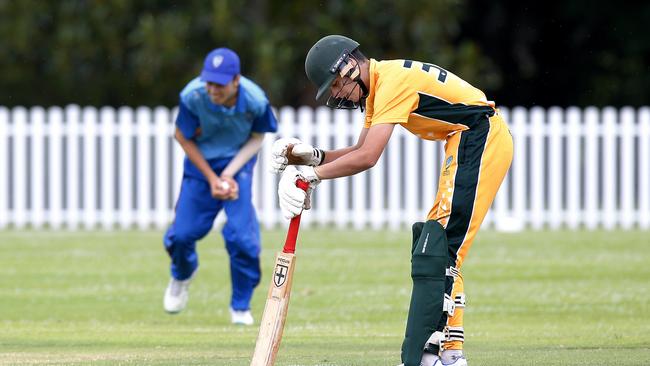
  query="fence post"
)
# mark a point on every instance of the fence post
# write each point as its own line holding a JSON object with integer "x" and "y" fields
{"x": 55, "y": 184}
{"x": 125, "y": 166}
{"x": 37, "y": 181}
{"x": 610, "y": 212}
{"x": 627, "y": 161}
{"x": 573, "y": 215}
{"x": 592, "y": 134}
{"x": 73, "y": 191}
{"x": 162, "y": 132}
{"x": 643, "y": 166}
{"x": 499, "y": 217}
{"x": 268, "y": 183}
{"x": 538, "y": 132}
{"x": 143, "y": 159}
{"x": 20, "y": 154}
{"x": 555, "y": 130}
{"x": 107, "y": 169}
{"x": 89, "y": 120}
{"x": 519, "y": 166}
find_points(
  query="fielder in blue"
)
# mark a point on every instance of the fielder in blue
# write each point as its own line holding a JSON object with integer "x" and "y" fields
{"x": 221, "y": 123}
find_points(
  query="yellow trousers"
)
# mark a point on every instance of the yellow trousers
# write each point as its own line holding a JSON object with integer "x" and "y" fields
{"x": 476, "y": 162}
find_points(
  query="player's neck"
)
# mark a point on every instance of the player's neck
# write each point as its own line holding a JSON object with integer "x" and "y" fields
{"x": 230, "y": 102}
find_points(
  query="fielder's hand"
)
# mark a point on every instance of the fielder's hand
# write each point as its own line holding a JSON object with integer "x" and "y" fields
{"x": 230, "y": 184}
{"x": 291, "y": 151}
{"x": 224, "y": 189}
{"x": 293, "y": 199}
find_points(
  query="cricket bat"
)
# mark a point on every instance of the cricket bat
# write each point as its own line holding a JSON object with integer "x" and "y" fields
{"x": 277, "y": 301}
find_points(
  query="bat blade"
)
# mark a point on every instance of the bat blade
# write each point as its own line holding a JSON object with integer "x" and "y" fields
{"x": 275, "y": 311}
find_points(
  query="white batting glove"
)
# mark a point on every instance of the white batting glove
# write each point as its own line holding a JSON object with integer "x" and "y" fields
{"x": 301, "y": 154}
{"x": 293, "y": 199}
{"x": 279, "y": 159}
{"x": 307, "y": 154}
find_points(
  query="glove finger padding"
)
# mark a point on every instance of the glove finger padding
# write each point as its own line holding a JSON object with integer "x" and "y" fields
{"x": 278, "y": 163}
{"x": 292, "y": 198}
{"x": 279, "y": 159}
{"x": 307, "y": 205}
{"x": 309, "y": 174}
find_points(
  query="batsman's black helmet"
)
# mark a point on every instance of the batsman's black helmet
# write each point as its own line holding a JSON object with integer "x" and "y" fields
{"x": 324, "y": 59}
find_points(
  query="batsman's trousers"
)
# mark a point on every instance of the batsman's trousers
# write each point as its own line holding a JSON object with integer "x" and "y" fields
{"x": 196, "y": 210}
{"x": 476, "y": 162}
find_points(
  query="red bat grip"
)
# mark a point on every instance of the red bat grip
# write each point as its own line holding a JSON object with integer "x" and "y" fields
{"x": 292, "y": 235}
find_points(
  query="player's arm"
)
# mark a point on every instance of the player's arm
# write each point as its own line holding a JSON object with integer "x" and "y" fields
{"x": 332, "y": 155}
{"x": 373, "y": 142}
{"x": 291, "y": 151}
{"x": 245, "y": 153}
{"x": 194, "y": 154}
{"x": 187, "y": 128}
{"x": 360, "y": 157}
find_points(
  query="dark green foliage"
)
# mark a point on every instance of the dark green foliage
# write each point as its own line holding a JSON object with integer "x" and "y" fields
{"x": 120, "y": 52}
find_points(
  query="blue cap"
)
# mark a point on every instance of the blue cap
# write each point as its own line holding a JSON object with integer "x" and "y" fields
{"x": 220, "y": 66}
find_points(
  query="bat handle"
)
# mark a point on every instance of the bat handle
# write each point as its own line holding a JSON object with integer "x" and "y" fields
{"x": 292, "y": 235}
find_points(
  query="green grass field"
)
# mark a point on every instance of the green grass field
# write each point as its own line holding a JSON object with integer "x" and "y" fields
{"x": 534, "y": 298}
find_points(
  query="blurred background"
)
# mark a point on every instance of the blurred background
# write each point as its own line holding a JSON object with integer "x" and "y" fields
{"x": 118, "y": 52}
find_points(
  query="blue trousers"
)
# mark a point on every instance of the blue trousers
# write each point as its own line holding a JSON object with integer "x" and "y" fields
{"x": 196, "y": 210}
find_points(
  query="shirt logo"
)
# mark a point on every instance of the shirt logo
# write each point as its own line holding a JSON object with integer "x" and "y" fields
{"x": 445, "y": 172}
{"x": 216, "y": 61}
{"x": 448, "y": 162}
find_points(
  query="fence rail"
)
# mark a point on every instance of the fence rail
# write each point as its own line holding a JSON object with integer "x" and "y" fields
{"x": 86, "y": 168}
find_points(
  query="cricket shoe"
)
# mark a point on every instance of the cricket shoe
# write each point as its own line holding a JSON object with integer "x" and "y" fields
{"x": 176, "y": 295}
{"x": 241, "y": 317}
{"x": 454, "y": 360}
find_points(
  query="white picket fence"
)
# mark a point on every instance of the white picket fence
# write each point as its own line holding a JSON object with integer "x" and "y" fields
{"x": 87, "y": 168}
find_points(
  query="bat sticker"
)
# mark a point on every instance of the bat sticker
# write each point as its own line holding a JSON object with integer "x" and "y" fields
{"x": 280, "y": 275}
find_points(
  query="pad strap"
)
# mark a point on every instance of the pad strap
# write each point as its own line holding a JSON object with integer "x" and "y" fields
{"x": 459, "y": 300}
{"x": 454, "y": 334}
{"x": 452, "y": 272}
{"x": 448, "y": 305}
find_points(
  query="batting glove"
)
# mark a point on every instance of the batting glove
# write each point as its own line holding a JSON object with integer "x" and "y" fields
{"x": 279, "y": 159}
{"x": 305, "y": 154}
{"x": 293, "y": 199}
{"x": 291, "y": 151}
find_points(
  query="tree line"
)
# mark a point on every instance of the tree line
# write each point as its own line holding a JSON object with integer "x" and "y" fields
{"x": 120, "y": 52}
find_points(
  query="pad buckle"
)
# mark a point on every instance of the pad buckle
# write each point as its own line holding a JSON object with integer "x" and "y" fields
{"x": 448, "y": 305}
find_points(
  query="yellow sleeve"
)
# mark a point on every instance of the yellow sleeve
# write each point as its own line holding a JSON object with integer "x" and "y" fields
{"x": 394, "y": 101}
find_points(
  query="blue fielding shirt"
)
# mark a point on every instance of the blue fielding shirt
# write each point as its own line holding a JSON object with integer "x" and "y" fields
{"x": 224, "y": 130}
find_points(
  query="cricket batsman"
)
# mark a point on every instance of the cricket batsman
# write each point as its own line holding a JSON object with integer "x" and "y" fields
{"x": 433, "y": 104}
{"x": 221, "y": 123}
